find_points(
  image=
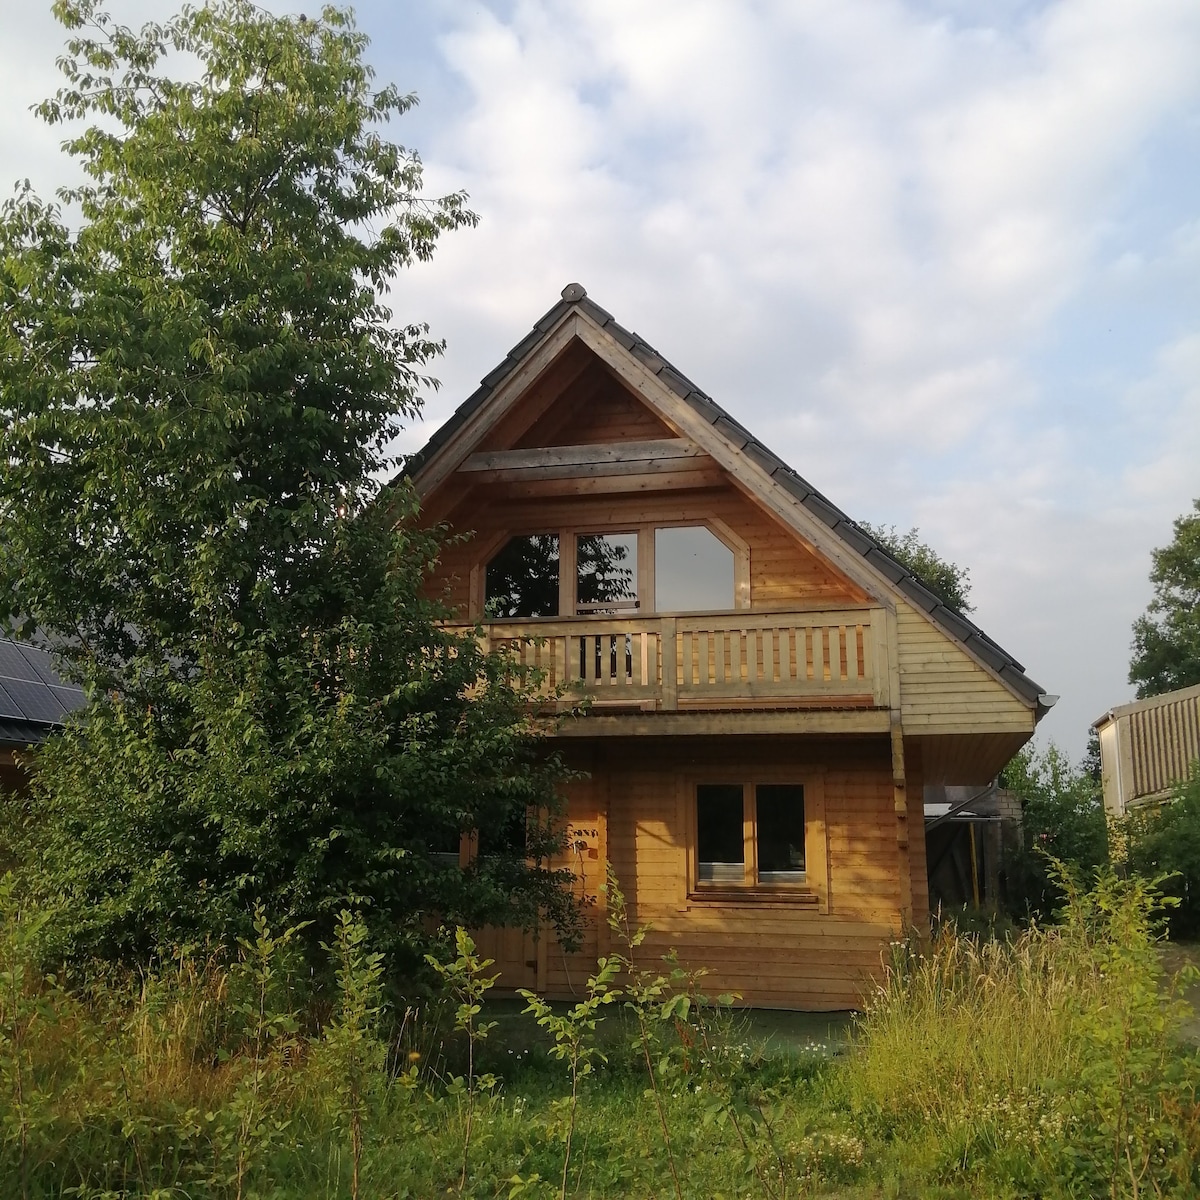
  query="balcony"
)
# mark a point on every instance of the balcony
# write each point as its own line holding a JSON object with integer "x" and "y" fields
{"x": 737, "y": 660}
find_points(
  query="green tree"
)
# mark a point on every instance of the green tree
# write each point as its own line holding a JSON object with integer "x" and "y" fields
{"x": 1166, "y": 640}
{"x": 948, "y": 581}
{"x": 1062, "y": 817}
{"x": 1164, "y": 840}
{"x": 198, "y": 383}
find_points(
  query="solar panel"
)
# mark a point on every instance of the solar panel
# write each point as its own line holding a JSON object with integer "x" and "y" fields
{"x": 36, "y": 700}
{"x": 8, "y": 706}
{"x": 20, "y": 733}
{"x": 30, "y": 688}
{"x": 14, "y": 665}
{"x": 41, "y": 663}
{"x": 69, "y": 697}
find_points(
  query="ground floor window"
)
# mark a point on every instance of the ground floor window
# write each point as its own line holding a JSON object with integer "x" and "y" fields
{"x": 750, "y": 834}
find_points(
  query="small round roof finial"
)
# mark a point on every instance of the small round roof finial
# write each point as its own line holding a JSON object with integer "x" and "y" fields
{"x": 573, "y": 292}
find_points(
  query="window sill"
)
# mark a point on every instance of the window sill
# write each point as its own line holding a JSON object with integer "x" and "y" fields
{"x": 754, "y": 897}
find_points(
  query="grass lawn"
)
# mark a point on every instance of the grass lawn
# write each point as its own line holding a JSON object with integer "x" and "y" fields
{"x": 1042, "y": 1067}
{"x": 774, "y": 1032}
{"x": 1176, "y": 956}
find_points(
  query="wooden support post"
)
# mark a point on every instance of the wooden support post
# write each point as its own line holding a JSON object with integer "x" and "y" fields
{"x": 567, "y": 582}
{"x": 900, "y": 805}
{"x": 992, "y": 852}
{"x": 645, "y": 569}
{"x": 602, "y": 793}
{"x": 974, "y": 864}
{"x": 543, "y": 959}
{"x": 670, "y": 677}
{"x": 875, "y": 658}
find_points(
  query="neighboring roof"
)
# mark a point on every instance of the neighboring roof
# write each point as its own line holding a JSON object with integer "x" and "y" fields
{"x": 943, "y": 810}
{"x": 575, "y": 298}
{"x": 1150, "y": 702}
{"x": 33, "y": 697}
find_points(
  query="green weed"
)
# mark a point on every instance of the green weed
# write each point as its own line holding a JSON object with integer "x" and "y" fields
{"x": 1046, "y": 1065}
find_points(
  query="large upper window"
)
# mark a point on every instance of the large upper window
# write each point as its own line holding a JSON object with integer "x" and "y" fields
{"x": 750, "y": 834}
{"x": 693, "y": 570}
{"x": 573, "y": 572}
{"x": 522, "y": 579}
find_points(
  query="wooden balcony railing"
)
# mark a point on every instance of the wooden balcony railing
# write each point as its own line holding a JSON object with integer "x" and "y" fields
{"x": 716, "y": 660}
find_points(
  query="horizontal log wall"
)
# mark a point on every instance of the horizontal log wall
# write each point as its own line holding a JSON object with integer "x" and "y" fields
{"x": 782, "y": 955}
{"x": 942, "y": 688}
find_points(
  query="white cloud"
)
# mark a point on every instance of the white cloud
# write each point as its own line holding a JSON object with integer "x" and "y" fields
{"x": 933, "y": 253}
{"x": 857, "y": 224}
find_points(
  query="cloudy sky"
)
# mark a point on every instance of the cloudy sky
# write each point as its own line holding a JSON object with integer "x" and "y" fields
{"x": 942, "y": 256}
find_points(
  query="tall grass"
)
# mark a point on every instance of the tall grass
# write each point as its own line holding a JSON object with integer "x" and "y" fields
{"x": 1051, "y": 1056}
{"x": 949, "y": 1028}
{"x": 1044, "y": 1066}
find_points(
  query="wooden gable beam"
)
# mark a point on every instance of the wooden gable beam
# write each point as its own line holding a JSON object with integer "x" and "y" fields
{"x": 566, "y": 462}
{"x": 444, "y": 463}
{"x": 640, "y": 482}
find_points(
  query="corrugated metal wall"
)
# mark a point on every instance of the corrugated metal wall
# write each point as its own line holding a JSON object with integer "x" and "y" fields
{"x": 1164, "y": 742}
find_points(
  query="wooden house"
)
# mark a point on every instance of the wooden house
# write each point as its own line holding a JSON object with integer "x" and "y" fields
{"x": 1147, "y": 747}
{"x": 769, "y": 689}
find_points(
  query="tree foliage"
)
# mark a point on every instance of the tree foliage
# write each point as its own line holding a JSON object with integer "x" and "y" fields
{"x": 198, "y": 383}
{"x": 948, "y": 581}
{"x": 1166, "y": 640}
{"x": 1062, "y": 819}
{"x": 1162, "y": 842}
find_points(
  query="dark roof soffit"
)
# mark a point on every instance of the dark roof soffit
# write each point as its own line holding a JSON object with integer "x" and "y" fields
{"x": 16, "y": 735}
{"x": 574, "y": 296}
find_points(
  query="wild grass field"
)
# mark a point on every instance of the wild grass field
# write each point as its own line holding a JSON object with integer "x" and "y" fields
{"x": 1050, "y": 1065}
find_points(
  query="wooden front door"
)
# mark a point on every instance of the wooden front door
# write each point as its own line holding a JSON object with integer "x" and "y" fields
{"x": 533, "y": 959}
{"x": 515, "y": 954}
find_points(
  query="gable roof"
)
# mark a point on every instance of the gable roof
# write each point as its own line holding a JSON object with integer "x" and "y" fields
{"x": 854, "y": 538}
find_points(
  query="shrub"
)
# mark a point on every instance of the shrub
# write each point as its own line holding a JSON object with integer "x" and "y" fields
{"x": 1163, "y": 842}
{"x": 1062, "y": 818}
{"x": 1049, "y": 1058}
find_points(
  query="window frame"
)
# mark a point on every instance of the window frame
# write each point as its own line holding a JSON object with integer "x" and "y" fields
{"x": 477, "y": 600}
{"x": 644, "y": 568}
{"x": 568, "y": 581}
{"x": 812, "y": 891}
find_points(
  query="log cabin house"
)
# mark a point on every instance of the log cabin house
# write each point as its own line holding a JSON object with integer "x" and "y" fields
{"x": 769, "y": 690}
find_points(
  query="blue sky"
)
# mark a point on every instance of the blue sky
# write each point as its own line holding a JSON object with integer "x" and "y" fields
{"x": 942, "y": 257}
